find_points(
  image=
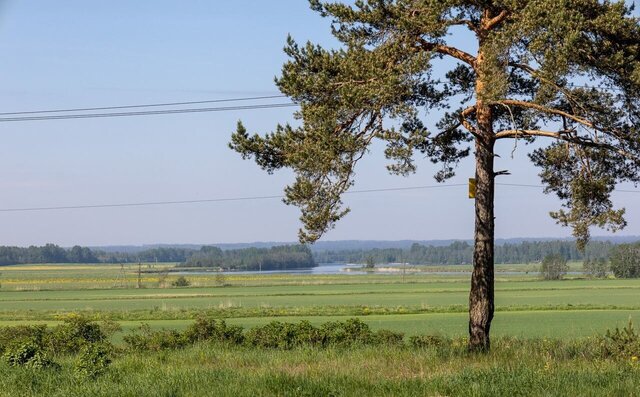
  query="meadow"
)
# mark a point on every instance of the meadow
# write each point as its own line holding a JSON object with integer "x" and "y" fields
{"x": 535, "y": 322}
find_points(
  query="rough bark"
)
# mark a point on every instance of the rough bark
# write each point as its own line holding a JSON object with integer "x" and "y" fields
{"x": 481, "y": 297}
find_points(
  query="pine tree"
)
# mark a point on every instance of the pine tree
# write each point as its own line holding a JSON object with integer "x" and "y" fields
{"x": 567, "y": 71}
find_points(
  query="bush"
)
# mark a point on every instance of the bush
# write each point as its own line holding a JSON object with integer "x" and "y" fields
{"x": 208, "y": 329}
{"x": 351, "y": 332}
{"x": 389, "y": 338}
{"x": 35, "y": 334}
{"x": 93, "y": 361}
{"x": 623, "y": 342}
{"x": 283, "y": 335}
{"x": 181, "y": 282}
{"x": 146, "y": 339}
{"x": 74, "y": 334}
{"x": 554, "y": 267}
{"x": 28, "y": 354}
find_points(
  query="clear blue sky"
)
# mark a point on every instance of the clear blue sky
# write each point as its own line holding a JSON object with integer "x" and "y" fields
{"x": 100, "y": 53}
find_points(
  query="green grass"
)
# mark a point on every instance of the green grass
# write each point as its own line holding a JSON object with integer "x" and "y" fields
{"x": 513, "y": 368}
{"x": 550, "y": 318}
{"x": 435, "y": 296}
{"x": 564, "y": 325}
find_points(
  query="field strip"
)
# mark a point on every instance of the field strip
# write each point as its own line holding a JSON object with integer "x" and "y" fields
{"x": 10, "y": 296}
{"x": 538, "y": 323}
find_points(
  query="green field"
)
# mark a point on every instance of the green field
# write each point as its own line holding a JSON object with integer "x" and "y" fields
{"x": 417, "y": 303}
{"x": 547, "y": 334}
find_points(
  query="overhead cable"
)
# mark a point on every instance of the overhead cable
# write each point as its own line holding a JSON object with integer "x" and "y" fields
{"x": 249, "y": 198}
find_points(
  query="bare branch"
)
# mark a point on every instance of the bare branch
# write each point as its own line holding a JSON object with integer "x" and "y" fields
{"x": 534, "y": 73}
{"x": 495, "y": 21}
{"x": 519, "y": 133}
{"x": 567, "y": 136}
{"x": 545, "y": 109}
{"x": 465, "y": 123}
{"x": 446, "y": 50}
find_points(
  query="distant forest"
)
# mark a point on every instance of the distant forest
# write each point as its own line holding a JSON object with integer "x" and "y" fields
{"x": 275, "y": 258}
{"x": 460, "y": 253}
{"x": 297, "y": 256}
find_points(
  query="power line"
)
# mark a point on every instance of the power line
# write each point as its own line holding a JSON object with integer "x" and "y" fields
{"x": 255, "y": 98}
{"x": 213, "y": 200}
{"x": 251, "y": 198}
{"x": 168, "y": 111}
{"x": 148, "y": 112}
{"x": 542, "y": 186}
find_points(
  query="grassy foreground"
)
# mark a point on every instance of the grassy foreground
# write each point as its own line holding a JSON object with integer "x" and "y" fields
{"x": 513, "y": 368}
{"x": 546, "y": 334}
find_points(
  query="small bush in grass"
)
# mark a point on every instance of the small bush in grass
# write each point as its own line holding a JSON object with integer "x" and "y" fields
{"x": 389, "y": 338}
{"x": 335, "y": 333}
{"x": 28, "y": 354}
{"x": 283, "y": 335}
{"x": 622, "y": 342}
{"x": 74, "y": 334}
{"x": 181, "y": 282}
{"x": 350, "y": 332}
{"x": 209, "y": 329}
{"x": 94, "y": 360}
{"x": 146, "y": 339}
{"x": 35, "y": 334}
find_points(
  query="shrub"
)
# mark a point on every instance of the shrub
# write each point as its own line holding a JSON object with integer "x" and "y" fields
{"x": 335, "y": 333}
{"x": 74, "y": 334}
{"x": 145, "y": 339}
{"x": 221, "y": 279}
{"x": 350, "y": 332}
{"x": 181, "y": 282}
{"x": 283, "y": 335}
{"x": 35, "y": 334}
{"x": 208, "y": 329}
{"x": 28, "y": 354}
{"x": 93, "y": 361}
{"x": 389, "y": 338}
{"x": 622, "y": 342}
{"x": 554, "y": 267}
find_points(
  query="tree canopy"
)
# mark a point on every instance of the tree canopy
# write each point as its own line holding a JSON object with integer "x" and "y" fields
{"x": 565, "y": 70}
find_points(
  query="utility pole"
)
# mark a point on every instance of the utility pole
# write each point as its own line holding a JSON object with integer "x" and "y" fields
{"x": 404, "y": 267}
{"x": 139, "y": 274}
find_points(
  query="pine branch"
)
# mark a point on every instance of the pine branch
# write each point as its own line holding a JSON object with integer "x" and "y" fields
{"x": 446, "y": 50}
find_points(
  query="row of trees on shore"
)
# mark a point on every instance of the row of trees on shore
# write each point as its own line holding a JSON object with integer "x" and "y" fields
{"x": 622, "y": 260}
{"x": 460, "y": 253}
{"x": 275, "y": 258}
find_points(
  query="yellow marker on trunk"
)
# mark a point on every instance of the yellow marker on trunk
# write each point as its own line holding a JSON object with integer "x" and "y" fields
{"x": 472, "y": 188}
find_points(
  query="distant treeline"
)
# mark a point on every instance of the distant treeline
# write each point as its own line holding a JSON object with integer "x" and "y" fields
{"x": 276, "y": 258}
{"x": 460, "y": 253}
{"x": 297, "y": 256}
{"x": 49, "y": 253}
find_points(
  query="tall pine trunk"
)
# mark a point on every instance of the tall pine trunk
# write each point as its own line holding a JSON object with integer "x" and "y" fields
{"x": 481, "y": 297}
